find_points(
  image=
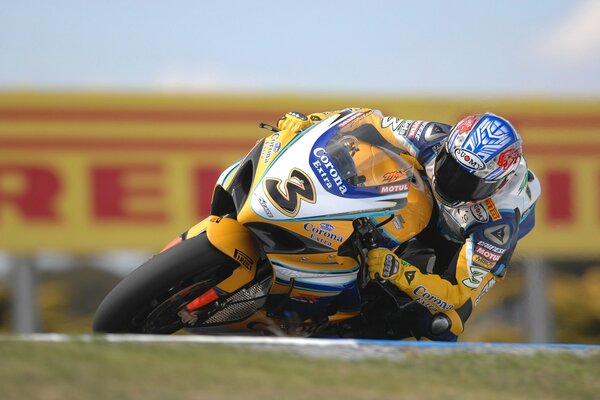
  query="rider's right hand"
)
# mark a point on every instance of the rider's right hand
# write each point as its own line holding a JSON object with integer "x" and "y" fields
{"x": 384, "y": 264}
{"x": 294, "y": 122}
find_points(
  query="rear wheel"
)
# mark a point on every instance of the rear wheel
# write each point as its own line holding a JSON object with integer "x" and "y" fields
{"x": 148, "y": 300}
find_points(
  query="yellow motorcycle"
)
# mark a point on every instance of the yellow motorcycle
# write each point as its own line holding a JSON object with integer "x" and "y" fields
{"x": 284, "y": 249}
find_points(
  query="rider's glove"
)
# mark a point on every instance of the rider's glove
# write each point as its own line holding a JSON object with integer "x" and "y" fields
{"x": 294, "y": 122}
{"x": 384, "y": 264}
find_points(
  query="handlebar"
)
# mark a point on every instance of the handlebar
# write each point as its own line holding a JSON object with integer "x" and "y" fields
{"x": 268, "y": 127}
{"x": 369, "y": 237}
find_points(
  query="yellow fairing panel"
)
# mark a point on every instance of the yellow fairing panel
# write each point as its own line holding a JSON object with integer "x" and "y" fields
{"x": 271, "y": 148}
{"x": 234, "y": 240}
{"x": 415, "y": 216}
{"x": 197, "y": 229}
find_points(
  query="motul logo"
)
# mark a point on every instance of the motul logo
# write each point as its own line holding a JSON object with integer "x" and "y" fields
{"x": 402, "y": 187}
{"x": 487, "y": 254}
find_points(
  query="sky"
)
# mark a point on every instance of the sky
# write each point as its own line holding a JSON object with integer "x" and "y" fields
{"x": 543, "y": 47}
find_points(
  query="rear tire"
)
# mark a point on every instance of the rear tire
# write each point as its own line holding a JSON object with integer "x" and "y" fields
{"x": 193, "y": 263}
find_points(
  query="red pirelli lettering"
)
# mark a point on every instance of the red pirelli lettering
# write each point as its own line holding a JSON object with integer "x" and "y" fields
{"x": 560, "y": 196}
{"x": 205, "y": 179}
{"x": 128, "y": 193}
{"x": 32, "y": 190}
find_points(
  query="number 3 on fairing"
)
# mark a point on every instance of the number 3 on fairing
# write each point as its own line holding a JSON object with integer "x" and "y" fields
{"x": 297, "y": 186}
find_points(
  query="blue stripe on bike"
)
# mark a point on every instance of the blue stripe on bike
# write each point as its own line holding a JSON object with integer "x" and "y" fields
{"x": 308, "y": 269}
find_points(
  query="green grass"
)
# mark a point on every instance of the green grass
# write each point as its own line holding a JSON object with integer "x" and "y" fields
{"x": 99, "y": 370}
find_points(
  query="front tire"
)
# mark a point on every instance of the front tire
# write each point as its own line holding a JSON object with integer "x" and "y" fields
{"x": 137, "y": 303}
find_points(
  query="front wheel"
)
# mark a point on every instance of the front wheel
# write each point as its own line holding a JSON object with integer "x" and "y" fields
{"x": 148, "y": 299}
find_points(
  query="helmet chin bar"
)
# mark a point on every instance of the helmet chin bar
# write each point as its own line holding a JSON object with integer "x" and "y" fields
{"x": 441, "y": 199}
{"x": 446, "y": 202}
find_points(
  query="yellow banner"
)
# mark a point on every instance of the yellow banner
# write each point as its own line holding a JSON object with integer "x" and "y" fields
{"x": 86, "y": 173}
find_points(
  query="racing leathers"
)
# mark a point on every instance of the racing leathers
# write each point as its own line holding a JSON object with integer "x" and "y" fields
{"x": 466, "y": 249}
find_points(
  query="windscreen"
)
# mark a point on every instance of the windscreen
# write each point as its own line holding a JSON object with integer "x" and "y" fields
{"x": 365, "y": 159}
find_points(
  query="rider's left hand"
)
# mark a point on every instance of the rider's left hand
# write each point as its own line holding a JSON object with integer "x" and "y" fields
{"x": 384, "y": 264}
{"x": 294, "y": 122}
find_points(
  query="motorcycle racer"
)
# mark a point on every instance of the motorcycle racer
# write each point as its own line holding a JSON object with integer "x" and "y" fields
{"x": 485, "y": 197}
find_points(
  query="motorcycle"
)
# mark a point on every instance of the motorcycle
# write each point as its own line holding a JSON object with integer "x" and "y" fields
{"x": 284, "y": 249}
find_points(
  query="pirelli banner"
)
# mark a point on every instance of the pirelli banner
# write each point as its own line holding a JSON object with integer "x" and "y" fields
{"x": 91, "y": 172}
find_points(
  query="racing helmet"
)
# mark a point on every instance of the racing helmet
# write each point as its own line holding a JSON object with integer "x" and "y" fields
{"x": 480, "y": 156}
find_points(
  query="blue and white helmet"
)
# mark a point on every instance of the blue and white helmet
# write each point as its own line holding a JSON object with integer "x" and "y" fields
{"x": 480, "y": 156}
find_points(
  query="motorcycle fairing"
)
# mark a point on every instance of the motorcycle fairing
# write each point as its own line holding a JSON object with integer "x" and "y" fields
{"x": 290, "y": 180}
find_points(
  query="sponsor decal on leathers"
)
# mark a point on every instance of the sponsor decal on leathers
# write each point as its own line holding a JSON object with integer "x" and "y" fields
{"x": 498, "y": 234}
{"x": 484, "y": 290}
{"x": 429, "y": 300}
{"x": 479, "y": 213}
{"x": 492, "y": 210}
{"x": 399, "y": 126}
{"x": 491, "y": 247}
{"x": 487, "y": 254}
{"x": 475, "y": 278}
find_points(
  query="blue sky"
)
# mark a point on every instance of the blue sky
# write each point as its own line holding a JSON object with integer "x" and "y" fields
{"x": 549, "y": 47}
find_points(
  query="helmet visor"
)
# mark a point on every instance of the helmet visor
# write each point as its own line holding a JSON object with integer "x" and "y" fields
{"x": 454, "y": 184}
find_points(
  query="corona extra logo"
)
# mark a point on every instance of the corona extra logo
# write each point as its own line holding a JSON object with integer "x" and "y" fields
{"x": 326, "y": 171}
